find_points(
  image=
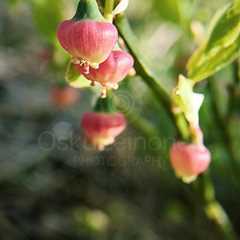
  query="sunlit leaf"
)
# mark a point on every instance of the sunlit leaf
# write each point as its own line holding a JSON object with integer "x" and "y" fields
{"x": 222, "y": 44}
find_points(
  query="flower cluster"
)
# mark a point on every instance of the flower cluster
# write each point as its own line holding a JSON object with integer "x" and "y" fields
{"x": 91, "y": 42}
{"x": 110, "y": 72}
{"x": 91, "y": 45}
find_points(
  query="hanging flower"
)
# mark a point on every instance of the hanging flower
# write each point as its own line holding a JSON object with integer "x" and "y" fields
{"x": 89, "y": 42}
{"x": 63, "y": 97}
{"x": 101, "y": 129}
{"x": 112, "y": 71}
{"x": 189, "y": 160}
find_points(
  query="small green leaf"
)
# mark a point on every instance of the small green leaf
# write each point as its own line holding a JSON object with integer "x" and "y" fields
{"x": 221, "y": 47}
{"x": 74, "y": 78}
{"x": 187, "y": 101}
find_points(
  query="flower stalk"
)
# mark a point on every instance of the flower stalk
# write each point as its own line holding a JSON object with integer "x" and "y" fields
{"x": 108, "y": 9}
{"x": 213, "y": 209}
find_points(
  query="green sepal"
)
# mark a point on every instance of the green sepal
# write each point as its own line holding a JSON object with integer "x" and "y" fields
{"x": 88, "y": 9}
{"x": 187, "y": 101}
{"x": 74, "y": 78}
{"x": 105, "y": 105}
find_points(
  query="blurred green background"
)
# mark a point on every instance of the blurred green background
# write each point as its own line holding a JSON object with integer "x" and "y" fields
{"x": 53, "y": 186}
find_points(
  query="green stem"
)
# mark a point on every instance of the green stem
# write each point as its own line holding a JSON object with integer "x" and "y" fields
{"x": 143, "y": 69}
{"x": 147, "y": 129}
{"x": 138, "y": 122}
{"x": 108, "y": 8}
{"x": 213, "y": 209}
{"x": 105, "y": 105}
{"x": 182, "y": 126}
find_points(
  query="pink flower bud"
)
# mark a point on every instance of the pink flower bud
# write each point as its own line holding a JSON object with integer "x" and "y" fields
{"x": 89, "y": 42}
{"x": 101, "y": 129}
{"x": 112, "y": 71}
{"x": 189, "y": 160}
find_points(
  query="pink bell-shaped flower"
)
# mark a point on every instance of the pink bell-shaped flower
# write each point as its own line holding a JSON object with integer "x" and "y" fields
{"x": 88, "y": 41}
{"x": 112, "y": 71}
{"x": 101, "y": 129}
{"x": 189, "y": 160}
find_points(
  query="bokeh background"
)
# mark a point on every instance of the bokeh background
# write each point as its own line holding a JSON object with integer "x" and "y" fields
{"x": 54, "y": 186}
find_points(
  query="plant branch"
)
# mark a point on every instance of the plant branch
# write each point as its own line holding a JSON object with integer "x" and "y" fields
{"x": 213, "y": 209}
{"x": 143, "y": 69}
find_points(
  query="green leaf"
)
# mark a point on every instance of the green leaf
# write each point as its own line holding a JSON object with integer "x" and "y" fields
{"x": 74, "y": 78}
{"x": 221, "y": 47}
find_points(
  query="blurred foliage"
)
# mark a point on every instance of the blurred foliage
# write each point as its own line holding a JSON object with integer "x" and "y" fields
{"x": 177, "y": 11}
{"x": 47, "y": 17}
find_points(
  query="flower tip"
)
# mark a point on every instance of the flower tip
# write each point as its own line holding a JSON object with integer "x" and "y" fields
{"x": 189, "y": 180}
{"x": 94, "y": 65}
